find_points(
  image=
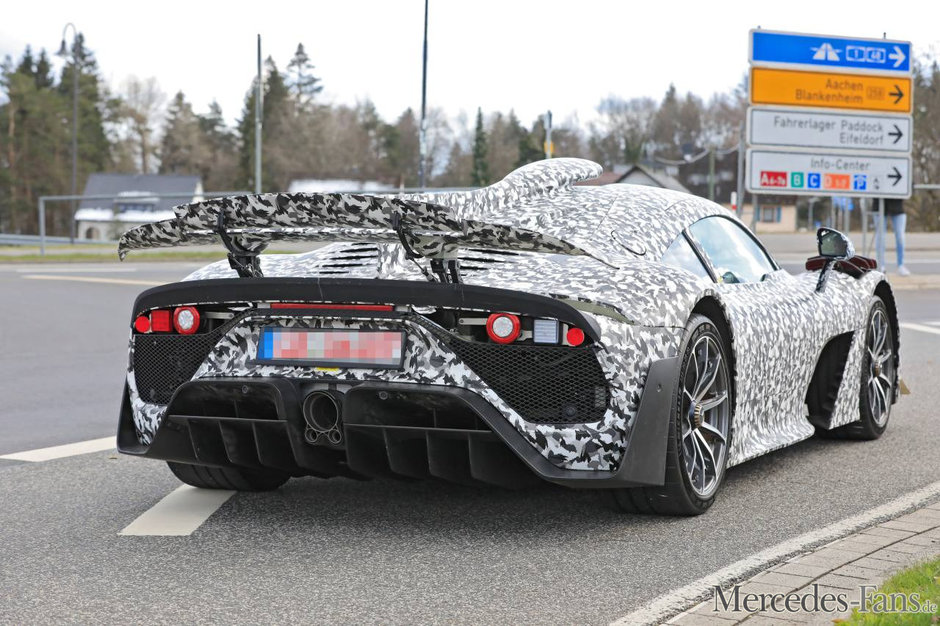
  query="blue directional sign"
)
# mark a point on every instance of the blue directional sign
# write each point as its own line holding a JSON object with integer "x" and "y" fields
{"x": 819, "y": 51}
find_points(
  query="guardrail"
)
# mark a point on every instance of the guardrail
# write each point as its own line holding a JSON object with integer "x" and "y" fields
{"x": 36, "y": 240}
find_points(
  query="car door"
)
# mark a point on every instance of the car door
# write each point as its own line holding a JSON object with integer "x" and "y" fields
{"x": 775, "y": 336}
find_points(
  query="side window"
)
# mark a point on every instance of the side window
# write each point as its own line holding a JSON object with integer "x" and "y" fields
{"x": 680, "y": 254}
{"x": 733, "y": 253}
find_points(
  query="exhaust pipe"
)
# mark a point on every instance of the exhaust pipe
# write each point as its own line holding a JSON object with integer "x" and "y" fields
{"x": 322, "y": 411}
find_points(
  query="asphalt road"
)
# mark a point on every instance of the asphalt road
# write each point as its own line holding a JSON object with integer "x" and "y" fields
{"x": 345, "y": 551}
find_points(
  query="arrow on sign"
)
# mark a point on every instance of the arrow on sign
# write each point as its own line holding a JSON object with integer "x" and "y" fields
{"x": 897, "y": 93}
{"x": 896, "y": 177}
{"x": 897, "y": 56}
{"x": 897, "y": 134}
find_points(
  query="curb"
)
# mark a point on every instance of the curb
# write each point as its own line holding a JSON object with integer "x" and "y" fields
{"x": 868, "y": 557}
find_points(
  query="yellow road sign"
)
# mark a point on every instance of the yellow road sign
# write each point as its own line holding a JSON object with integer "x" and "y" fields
{"x": 830, "y": 90}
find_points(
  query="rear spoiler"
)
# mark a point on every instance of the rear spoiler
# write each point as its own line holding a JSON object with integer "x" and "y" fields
{"x": 246, "y": 224}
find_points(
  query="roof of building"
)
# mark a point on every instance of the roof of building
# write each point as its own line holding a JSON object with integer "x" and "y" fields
{"x": 140, "y": 187}
{"x": 332, "y": 185}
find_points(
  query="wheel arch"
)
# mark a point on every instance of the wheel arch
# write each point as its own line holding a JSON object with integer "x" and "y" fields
{"x": 883, "y": 290}
{"x": 712, "y": 308}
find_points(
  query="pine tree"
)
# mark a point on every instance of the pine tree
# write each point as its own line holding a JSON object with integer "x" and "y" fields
{"x": 276, "y": 138}
{"x": 301, "y": 79}
{"x": 94, "y": 149}
{"x": 480, "y": 175}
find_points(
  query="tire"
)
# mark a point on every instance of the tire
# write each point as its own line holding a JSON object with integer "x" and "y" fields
{"x": 232, "y": 478}
{"x": 682, "y": 494}
{"x": 874, "y": 410}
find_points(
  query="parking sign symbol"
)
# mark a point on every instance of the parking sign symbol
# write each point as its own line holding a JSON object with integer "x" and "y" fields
{"x": 796, "y": 179}
{"x": 814, "y": 180}
{"x": 859, "y": 182}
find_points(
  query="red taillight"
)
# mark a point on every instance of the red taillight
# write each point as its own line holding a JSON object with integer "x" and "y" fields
{"x": 142, "y": 324}
{"x": 160, "y": 321}
{"x": 502, "y": 327}
{"x": 575, "y": 336}
{"x": 340, "y": 307}
{"x": 186, "y": 320}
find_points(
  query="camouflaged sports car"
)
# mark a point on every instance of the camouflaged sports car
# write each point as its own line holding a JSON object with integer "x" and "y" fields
{"x": 617, "y": 336}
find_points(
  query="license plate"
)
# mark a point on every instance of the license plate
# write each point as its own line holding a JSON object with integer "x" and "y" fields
{"x": 332, "y": 347}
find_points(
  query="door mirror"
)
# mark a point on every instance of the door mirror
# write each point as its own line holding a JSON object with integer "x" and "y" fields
{"x": 834, "y": 245}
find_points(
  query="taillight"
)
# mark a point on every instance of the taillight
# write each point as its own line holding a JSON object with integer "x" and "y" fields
{"x": 502, "y": 327}
{"x": 160, "y": 321}
{"x": 186, "y": 320}
{"x": 574, "y": 336}
{"x": 142, "y": 324}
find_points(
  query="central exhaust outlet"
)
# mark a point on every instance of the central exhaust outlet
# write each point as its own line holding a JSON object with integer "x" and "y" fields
{"x": 322, "y": 411}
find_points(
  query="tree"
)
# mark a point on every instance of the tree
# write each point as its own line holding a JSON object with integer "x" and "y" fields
{"x": 184, "y": 148}
{"x": 142, "y": 108}
{"x": 94, "y": 103}
{"x": 222, "y": 171}
{"x": 622, "y": 131}
{"x": 480, "y": 175}
{"x": 34, "y": 153}
{"x": 275, "y": 111}
{"x": 301, "y": 79}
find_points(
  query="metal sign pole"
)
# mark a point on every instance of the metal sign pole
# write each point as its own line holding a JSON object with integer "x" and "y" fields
{"x": 880, "y": 232}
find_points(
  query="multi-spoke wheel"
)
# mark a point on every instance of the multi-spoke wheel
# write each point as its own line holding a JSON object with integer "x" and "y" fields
{"x": 878, "y": 378}
{"x": 699, "y": 429}
{"x": 705, "y": 416}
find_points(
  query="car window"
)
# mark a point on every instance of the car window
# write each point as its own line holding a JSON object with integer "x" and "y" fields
{"x": 733, "y": 253}
{"x": 680, "y": 254}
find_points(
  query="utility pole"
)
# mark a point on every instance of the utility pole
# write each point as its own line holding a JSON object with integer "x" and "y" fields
{"x": 259, "y": 108}
{"x": 422, "y": 139}
{"x": 63, "y": 52}
{"x": 549, "y": 148}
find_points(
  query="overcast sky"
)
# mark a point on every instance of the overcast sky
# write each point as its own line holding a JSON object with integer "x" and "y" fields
{"x": 527, "y": 55}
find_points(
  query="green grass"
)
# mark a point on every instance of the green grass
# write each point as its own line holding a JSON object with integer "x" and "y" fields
{"x": 924, "y": 580}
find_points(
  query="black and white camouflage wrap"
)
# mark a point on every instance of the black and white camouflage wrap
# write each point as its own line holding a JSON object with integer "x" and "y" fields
{"x": 597, "y": 248}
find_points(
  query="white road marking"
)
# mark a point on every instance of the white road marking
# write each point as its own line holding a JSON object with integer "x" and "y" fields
{"x": 76, "y": 270}
{"x": 920, "y": 328}
{"x": 180, "y": 513}
{"x": 90, "y": 279}
{"x": 675, "y": 601}
{"x": 60, "y": 452}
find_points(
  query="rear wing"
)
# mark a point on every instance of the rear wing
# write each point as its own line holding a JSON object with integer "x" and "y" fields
{"x": 246, "y": 224}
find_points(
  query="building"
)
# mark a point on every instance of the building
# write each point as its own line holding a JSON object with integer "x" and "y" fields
{"x": 129, "y": 200}
{"x": 333, "y": 185}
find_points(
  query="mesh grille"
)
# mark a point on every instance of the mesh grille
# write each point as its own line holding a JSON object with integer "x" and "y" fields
{"x": 544, "y": 384}
{"x": 164, "y": 362}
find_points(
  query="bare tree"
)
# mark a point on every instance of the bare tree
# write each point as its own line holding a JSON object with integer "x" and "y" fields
{"x": 143, "y": 102}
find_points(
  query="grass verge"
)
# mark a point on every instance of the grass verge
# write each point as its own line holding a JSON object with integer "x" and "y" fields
{"x": 923, "y": 579}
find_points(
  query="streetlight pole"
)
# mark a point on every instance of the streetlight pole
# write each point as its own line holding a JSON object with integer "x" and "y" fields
{"x": 422, "y": 131}
{"x": 63, "y": 52}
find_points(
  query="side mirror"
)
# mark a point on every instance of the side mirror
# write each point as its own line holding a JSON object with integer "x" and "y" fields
{"x": 833, "y": 246}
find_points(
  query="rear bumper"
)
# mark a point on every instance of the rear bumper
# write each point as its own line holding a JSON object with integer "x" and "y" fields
{"x": 389, "y": 429}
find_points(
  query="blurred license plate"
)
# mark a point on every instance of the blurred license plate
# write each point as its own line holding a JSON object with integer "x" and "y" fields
{"x": 332, "y": 347}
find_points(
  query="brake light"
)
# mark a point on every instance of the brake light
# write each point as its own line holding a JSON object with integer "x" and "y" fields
{"x": 142, "y": 324}
{"x": 340, "y": 307}
{"x": 502, "y": 327}
{"x": 574, "y": 336}
{"x": 160, "y": 321}
{"x": 186, "y": 320}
